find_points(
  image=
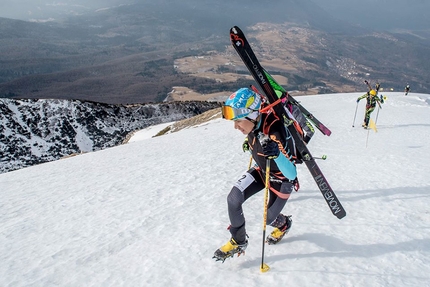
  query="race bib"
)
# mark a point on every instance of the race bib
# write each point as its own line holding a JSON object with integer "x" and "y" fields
{"x": 244, "y": 181}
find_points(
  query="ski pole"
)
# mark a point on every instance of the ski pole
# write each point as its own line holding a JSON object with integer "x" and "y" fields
{"x": 356, "y": 108}
{"x": 250, "y": 162}
{"x": 264, "y": 267}
{"x": 377, "y": 114}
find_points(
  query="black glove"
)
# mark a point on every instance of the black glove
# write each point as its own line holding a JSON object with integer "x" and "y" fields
{"x": 245, "y": 145}
{"x": 270, "y": 149}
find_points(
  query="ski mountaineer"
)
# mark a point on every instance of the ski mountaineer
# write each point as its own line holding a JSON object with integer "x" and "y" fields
{"x": 407, "y": 88}
{"x": 267, "y": 139}
{"x": 371, "y": 100}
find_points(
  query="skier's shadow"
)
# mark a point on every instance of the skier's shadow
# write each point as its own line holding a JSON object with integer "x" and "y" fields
{"x": 334, "y": 247}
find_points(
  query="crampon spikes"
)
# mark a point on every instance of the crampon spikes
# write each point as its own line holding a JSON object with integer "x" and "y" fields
{"x": 224, "y": 256}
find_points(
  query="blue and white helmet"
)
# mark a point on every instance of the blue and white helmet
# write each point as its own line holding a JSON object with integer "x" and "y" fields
{"x": 246, "y": 100}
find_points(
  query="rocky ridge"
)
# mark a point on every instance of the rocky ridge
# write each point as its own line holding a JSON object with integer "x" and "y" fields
{"x": 35, "y": 131}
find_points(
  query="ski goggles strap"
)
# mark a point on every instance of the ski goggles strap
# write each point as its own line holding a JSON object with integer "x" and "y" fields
{"x": 230, "y": 113}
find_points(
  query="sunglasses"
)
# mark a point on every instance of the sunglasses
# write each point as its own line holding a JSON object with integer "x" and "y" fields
{"x": 230, "y": 113}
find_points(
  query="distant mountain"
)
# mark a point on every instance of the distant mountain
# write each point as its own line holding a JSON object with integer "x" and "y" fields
{"x": 105, "y": 55}
{"x": 125, "y": 53}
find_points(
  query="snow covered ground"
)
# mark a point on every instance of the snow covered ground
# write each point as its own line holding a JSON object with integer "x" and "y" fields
{"x": 153, "y": 211}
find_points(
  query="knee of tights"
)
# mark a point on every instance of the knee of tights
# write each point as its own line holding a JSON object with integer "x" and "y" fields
{"x": 235, "y": 198}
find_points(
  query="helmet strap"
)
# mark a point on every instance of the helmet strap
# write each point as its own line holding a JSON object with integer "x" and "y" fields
{"x": 251, "y": 120}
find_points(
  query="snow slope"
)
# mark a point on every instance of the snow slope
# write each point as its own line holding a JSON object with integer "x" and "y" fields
{"x": 153, "y": 211}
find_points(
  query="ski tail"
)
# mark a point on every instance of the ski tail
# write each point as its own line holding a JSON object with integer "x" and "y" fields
{"x": 327, "y": 192}
{"x": 242, "y": 47}
{"x": 368, "y": 84}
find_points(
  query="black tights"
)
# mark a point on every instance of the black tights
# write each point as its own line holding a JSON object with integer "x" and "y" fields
{"x": 249, "y": 184}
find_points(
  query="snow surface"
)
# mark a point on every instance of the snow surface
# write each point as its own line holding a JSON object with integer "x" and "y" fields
{"x": 153, "y": 211}
{"x": 149, "y": 132}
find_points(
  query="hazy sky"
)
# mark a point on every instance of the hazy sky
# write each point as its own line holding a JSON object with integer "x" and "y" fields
{"x": 377, "y": 14}
{"x": 382, "y": 14}
{"x": 38, "y": 9}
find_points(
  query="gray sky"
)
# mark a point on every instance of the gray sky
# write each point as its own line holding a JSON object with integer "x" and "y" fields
{"x": 376, "y": 14}
{"x": 381, "y": 14}
{"x": 43, "y": 9}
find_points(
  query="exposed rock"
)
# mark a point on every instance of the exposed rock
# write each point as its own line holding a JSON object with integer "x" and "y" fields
{"x": 37, "y": 131}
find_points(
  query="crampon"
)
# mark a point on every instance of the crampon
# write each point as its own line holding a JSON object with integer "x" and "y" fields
{"x": 229, "y": 250}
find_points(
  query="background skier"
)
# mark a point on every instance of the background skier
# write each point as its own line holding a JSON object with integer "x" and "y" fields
{"x": 407, "y": 88}
{"x": 371, "y": 100}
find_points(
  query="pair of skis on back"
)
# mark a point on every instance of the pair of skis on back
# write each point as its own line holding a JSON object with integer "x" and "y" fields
{"x": 269, "y": 87}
